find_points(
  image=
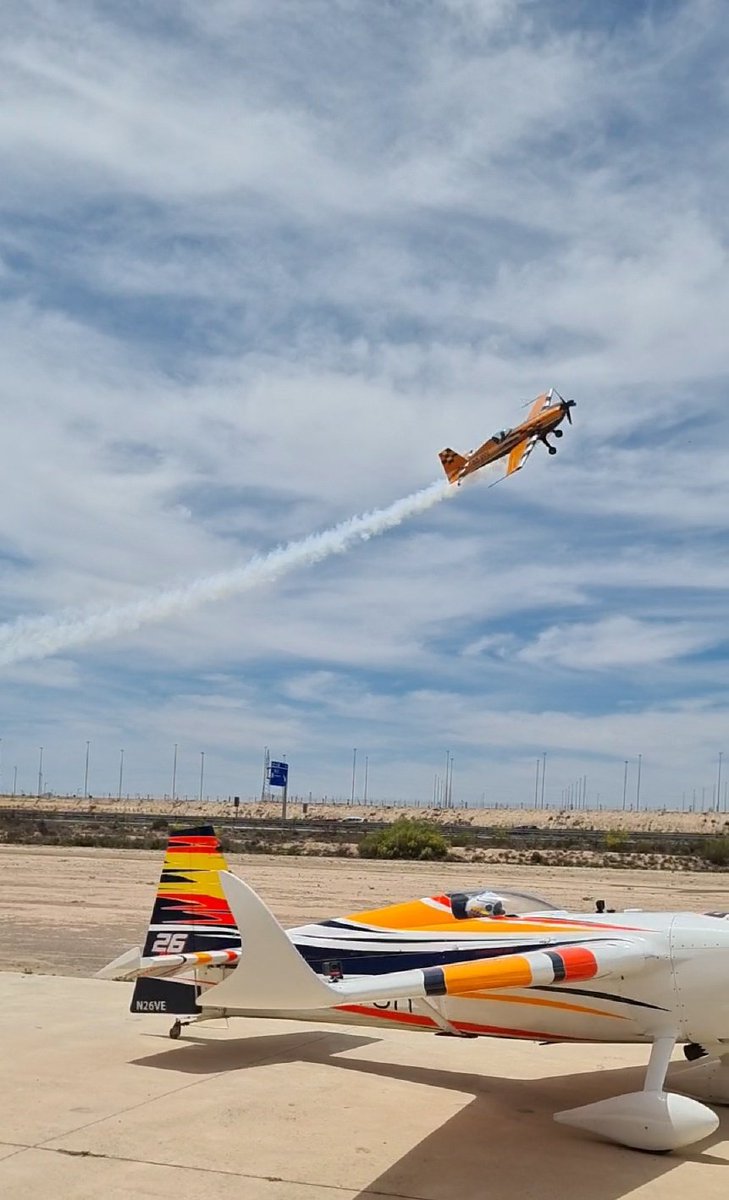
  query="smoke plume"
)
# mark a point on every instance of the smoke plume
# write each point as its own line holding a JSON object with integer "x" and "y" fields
{"x": 39, "y": 637}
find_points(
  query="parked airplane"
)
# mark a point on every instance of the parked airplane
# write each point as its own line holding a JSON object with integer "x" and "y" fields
{"x": 495, "y": 964}
{"x": 546, "y": 413}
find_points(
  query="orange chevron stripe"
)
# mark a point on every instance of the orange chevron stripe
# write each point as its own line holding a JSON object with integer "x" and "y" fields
{"x": 539, "y": 1002}
{"x": 415, "y": 1020}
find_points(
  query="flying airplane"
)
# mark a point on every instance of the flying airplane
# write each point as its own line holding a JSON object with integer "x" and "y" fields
{"x": 469, "y": 964}
{"x": 546, "y": 413}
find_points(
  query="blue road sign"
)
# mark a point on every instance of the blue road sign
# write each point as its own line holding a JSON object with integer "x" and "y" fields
{"x": 278, "y": 774}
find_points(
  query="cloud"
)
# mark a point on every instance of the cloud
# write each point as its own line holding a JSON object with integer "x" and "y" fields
{"x": 616, "y": 643}
{"x": 258, "y": 267}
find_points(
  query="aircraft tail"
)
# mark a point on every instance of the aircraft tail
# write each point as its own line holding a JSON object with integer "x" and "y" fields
{"x": 452, "y": 463}
{"x": 190, "y": 915}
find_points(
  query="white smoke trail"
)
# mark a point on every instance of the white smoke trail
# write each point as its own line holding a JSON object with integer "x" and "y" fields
{"x": 39, "y": 637}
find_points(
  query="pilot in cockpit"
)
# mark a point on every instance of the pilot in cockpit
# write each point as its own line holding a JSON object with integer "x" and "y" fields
{"x": 484, "y": 904}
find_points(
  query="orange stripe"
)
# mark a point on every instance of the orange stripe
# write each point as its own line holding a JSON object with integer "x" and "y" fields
{"x": 580, "y": 963}
{"x": 539, "y": 1002}
{"x": 414, "y": 1019}
{"x": 511, "y": 971}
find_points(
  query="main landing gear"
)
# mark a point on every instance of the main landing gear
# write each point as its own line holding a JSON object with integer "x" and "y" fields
{"x": 652, "y": 1119}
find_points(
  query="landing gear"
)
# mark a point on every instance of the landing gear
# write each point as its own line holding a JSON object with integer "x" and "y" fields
{"x": 551, "y": 449}
{"x": 558, "y": 432}
{"x": 176, "y": 1030}
{"x": 649, "y": 1120}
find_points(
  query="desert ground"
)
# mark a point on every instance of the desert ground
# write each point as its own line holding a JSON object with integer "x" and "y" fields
{"x": 68, "y": 911}
{"x": 652, "y": 820}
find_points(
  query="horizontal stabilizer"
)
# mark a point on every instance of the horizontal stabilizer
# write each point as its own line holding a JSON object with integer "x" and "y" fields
{"x": 126, "y": 966}
{"x": 131, "y": 965}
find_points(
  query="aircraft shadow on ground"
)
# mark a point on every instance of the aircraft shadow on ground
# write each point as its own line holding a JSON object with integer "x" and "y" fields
{"x": 503, "y": 1143}
{"x": 202, "y": 1056}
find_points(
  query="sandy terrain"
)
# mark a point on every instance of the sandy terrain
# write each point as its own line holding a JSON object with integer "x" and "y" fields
{"x": 68, "y": 911}
{"x": 658, "y": 820}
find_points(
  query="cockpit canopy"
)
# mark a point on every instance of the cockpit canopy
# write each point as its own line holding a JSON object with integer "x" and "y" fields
{"x": 498, "y": 902}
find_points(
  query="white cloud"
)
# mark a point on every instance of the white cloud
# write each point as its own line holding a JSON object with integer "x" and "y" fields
{"x": 258, "y": 267}
{"x": 616, "y": 643}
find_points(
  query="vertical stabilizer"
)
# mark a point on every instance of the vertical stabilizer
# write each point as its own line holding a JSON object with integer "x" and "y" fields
{"x": 452, "y": 463}
{"x": 190, "y": 914}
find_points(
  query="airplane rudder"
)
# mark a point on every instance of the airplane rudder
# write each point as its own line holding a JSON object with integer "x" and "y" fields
{"x": 190, "y": 914}
{"x": 452, "y": 462}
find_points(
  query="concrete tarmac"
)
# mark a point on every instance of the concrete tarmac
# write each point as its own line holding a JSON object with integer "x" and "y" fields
{"x": 98, "y": 1103}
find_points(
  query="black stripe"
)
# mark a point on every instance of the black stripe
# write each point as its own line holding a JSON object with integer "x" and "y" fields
{"x": 560, "y": 971}
{"x": 571, "y": 991}
{"x": 372, "y": 958}
{"x": 434, "y": 981}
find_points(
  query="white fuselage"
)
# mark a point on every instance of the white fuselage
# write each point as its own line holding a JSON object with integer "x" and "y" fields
{"x": 683, "y": 990}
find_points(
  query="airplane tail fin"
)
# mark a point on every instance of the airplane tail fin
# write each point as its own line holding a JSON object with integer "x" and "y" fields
{"x": 272, "y": 973}
{"x": 452, "y": 463}
{"x": 190, "y": 914}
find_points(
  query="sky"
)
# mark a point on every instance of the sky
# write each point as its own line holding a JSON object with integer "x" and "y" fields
{"x": 259, "y": 262}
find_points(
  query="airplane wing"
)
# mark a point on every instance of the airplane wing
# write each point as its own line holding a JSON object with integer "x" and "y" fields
{"x": 275, "y": 976}
{"x": 519, "y": 455}
{"x": 546, "y": 400}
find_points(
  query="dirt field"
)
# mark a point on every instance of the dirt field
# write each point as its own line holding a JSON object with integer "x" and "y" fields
{"x": 68, "y": 911}
{"x": 648, "y": 820}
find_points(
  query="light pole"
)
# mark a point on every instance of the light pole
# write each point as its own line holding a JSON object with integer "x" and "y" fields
{"x": 86, "y": 773}
{"x": 367, "y": 769}
{"x": 354, "y": 771}
{"x": 15, "y": 780}
{"x": 121, "y": 773}
{"x": 625, "y": 784}
{"x": 718, "y": 785}
{"x": 174, "y": 773}
{"x": 637, "y": 786}
{"x": 536, "y": 787}
{"x": 202, "y": 773}
{"x": 450, "y": 785}
{"x": 544, "y": 772}
{"x": 40, "y": 772}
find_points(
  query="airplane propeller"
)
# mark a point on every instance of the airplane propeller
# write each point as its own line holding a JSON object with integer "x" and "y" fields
{"x": 566, "y": 406}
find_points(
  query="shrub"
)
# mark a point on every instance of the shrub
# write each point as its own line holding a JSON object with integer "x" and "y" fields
{"x": 404, "y": 839}
{"x": 615, "y": 839}
{"x": 716, "y": 851}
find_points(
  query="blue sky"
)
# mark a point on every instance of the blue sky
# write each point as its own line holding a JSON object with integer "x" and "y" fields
{"x": 259, "y": 263}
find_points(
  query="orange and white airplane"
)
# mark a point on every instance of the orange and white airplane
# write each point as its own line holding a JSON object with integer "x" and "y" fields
{"x": 546, "y": 413}
{"x": 464, "y": 964}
